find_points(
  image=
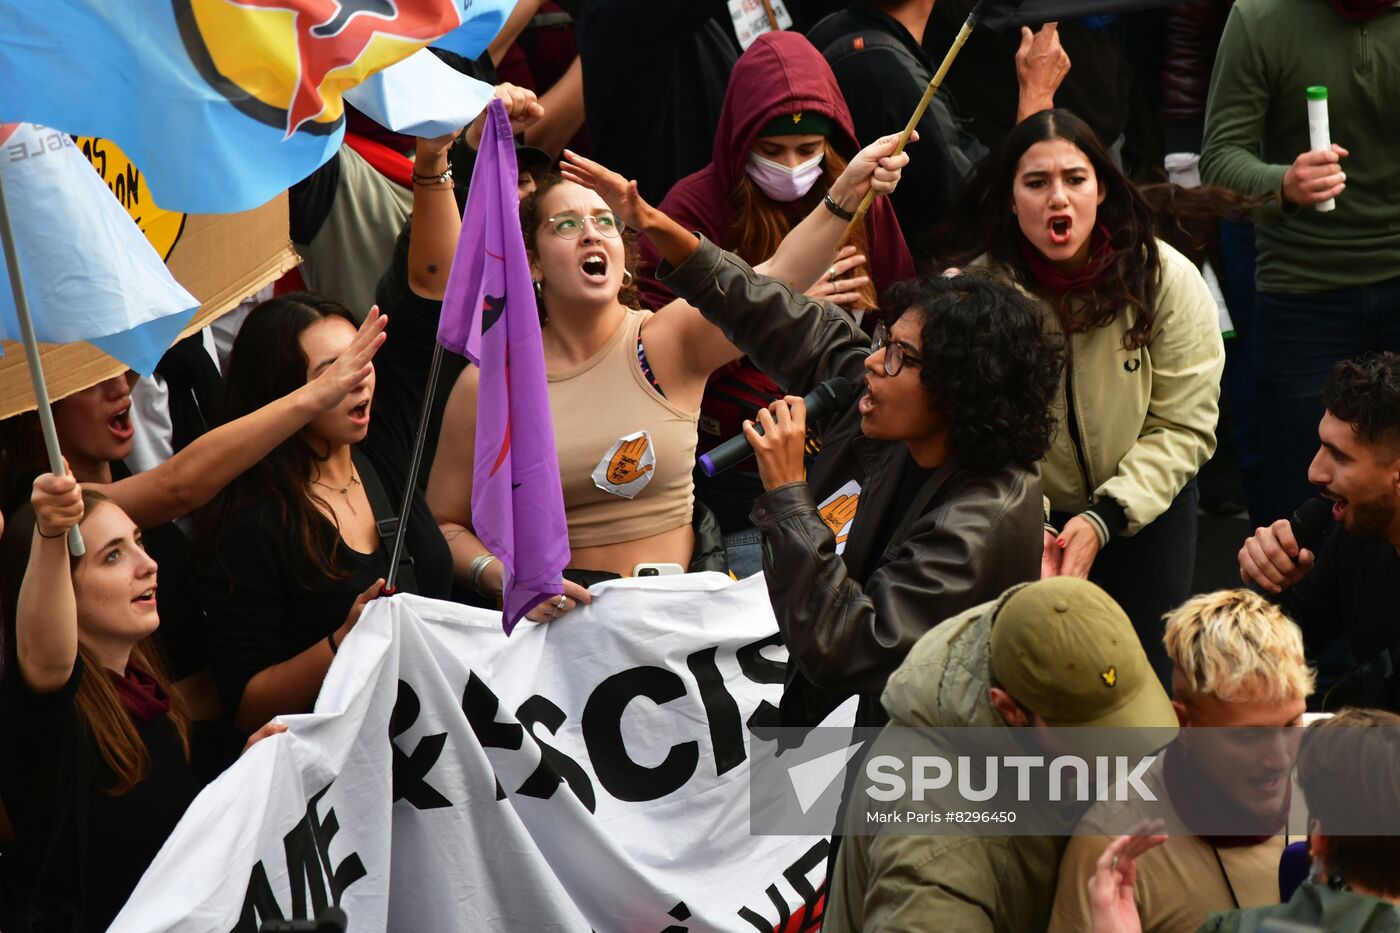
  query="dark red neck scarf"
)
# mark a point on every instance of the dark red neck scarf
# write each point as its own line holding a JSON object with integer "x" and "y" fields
{"x": 1359, "y": 11}
{"x": 1056, "y": 281}
{"x": 1199, "y": 806}
{"x": 142, "y": 696}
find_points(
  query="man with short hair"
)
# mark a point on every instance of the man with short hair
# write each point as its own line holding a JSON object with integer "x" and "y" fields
{"x": 1237, "y": 664}
{"x": 1328, "y": 280}
{"x": 1352, "y": 585}
{"x": 1057, "y": 652}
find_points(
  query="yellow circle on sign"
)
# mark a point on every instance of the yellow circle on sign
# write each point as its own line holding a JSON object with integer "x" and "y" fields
{"x": 161, "y": 227}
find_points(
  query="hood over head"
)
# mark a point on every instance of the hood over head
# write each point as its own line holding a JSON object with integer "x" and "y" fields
{"x": 781, "y": 74}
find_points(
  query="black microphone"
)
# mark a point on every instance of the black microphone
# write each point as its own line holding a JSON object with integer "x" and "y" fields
{"x": 826, "y": 399}
{"x": 1309, "y": 523}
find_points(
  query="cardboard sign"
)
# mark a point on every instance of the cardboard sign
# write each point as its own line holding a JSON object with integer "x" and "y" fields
{"x": 752, "y": 18}
{"x": 220, "y": 258}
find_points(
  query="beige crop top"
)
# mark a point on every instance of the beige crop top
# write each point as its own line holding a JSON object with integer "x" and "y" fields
{"x": 625, "y": 452}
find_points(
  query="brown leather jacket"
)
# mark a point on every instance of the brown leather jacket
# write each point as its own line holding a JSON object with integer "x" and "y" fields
{"x": 967, "y": 535}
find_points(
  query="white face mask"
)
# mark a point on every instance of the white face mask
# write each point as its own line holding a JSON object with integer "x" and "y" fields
{"x": 780, "y": 182}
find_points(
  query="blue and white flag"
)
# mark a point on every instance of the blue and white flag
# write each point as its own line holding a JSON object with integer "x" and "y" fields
{"x": 223, "y": 103}
{"x": 88, "y": 271}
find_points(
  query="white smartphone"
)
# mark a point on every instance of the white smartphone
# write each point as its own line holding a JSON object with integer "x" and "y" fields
{"x": 656, "y": 570}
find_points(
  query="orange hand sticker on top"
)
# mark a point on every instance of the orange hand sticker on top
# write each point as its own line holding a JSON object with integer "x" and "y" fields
{"x": 626, "y": 464}
{"x": 627, "y": 467}
{"x": 838, "y": 514}
{"x": 838, "y": 510}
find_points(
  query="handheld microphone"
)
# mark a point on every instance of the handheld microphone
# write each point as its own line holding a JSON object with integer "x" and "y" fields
{"x": 1309, "y": 523}
{"x": 831, "y": 396}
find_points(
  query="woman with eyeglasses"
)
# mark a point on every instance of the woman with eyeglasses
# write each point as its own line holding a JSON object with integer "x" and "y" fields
{"x": 624, "y": 387}
{"x": 925, "y": 499}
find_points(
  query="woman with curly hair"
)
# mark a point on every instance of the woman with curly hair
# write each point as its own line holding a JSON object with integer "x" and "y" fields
{"x": 1048, "y": 212}
{"x": 925, "y": 499}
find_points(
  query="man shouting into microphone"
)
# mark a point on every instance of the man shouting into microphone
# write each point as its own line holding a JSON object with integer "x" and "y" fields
{"x": 1352, "y": 585}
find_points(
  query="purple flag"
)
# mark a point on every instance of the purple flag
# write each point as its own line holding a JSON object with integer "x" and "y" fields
{"x": 489, "y": 315}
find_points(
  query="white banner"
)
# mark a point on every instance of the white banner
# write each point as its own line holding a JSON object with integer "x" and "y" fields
{"x": 586, "y": 774}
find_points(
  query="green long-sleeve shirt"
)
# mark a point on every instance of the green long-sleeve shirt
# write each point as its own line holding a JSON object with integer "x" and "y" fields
{"x": 1257, "y": 124}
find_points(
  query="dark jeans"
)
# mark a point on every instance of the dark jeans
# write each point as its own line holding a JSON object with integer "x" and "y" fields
{"x": 1301, "y": 337}
{"x": 1150, "y": 573}
{"x": 1238, "y": 381}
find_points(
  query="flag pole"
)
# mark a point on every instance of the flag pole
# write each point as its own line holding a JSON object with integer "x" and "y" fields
{"x": 772, "y": 17}
{"x": 924, "y": 101}
{"x": 414, "y": 465}
{"x": 36, "y": 366}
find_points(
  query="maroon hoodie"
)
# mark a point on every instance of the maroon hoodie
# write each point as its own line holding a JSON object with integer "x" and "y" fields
{"x": 780, "y": 74}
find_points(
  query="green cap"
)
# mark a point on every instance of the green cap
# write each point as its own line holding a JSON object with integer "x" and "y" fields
{"x": 1064, "y": 649}
{"x": 1317, "y": 92}
{"x": 798, "y": 124}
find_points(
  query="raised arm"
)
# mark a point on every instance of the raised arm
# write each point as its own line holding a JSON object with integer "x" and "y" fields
{"x": 46, "y": 616}
{"x": 805, "y": 253}
{"x": 687, "y": 343}
{"x": 196, "y": 474}
{"x": 437, "y": 222}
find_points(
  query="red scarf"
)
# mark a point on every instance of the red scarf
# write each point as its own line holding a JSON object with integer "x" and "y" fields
{"x": 389, "y": 162}
{"x": 1359, "y": 11}
{"x": 143, "y": 697}
{"x": 1199, "y": 806}
{"x": 1083, "y": 279}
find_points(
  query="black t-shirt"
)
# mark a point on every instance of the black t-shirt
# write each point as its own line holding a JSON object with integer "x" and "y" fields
{"x": 655, "y": 76}
{"x": 406, "y": 357}
{"x": 882, "y": 85}
{"x": 911, "y": 479}
{"x": 53, "y": 782}
{"x": 265, "y": 601}
{"x": 1352, "y": 590}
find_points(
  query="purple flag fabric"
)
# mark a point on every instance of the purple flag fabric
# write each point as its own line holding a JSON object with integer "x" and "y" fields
{"x": 489, "y": 315}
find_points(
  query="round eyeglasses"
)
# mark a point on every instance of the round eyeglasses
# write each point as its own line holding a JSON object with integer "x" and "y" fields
{"x": 896, "y": 353}
{"x": 569, "y": 225}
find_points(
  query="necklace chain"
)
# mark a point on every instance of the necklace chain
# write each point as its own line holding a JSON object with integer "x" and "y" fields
{"x": 343, "y": 490}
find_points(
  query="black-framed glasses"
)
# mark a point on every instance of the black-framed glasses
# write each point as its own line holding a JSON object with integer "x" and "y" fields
{"x": 896, "y": 353}
{"x": 569, "y": 224}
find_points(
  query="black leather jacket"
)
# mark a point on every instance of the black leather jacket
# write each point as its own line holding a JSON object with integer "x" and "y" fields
{"x": 967, "y": 536}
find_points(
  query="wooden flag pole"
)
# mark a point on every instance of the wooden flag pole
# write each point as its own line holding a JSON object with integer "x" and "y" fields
{"x": 924, "y": 101}
{"x": 36, "y": 368}
{"x": 772, "y": 17}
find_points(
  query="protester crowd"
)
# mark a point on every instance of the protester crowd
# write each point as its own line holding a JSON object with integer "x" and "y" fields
{"x": 1056, "y": 358}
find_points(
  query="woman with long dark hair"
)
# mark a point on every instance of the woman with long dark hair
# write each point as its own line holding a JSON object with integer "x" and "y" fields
{"x": 94, "y": 743}
{"x": 1048, "y": 211}
{"x": 290, "y": 546}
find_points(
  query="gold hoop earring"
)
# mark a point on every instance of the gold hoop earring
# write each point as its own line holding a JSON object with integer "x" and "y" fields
{"x": 627, "y": 278}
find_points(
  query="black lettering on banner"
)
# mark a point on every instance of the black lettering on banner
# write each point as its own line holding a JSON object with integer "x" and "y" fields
{"x": 133, "y": 186}
{"x": 602, "y": 735}
{"x": 796, "y": 875}
{"x": 259, "y": 903}
{"x": 97, "y": 155}
{"x": 726, "y": 726}
{"x": 309, "y": 870}
{"x": 411, "y": 771}
{"x": 679, "y": 912}
{"x": 761, "y": 670}
{"x": 479, "y": 705}
{"x": 555, "y": 766}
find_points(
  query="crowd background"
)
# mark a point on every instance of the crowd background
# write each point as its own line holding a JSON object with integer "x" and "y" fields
{"x": 1101, "y": 330}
